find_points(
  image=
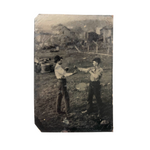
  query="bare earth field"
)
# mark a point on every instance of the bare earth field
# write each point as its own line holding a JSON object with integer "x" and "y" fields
{"x": 45, "y": 96}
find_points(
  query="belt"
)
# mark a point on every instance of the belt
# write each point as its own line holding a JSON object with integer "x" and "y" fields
{"x": 94, "y": 81}
{"x": 61, "y": 80}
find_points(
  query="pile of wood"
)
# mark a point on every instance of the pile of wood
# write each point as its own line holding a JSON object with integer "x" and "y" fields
{"x": 43, "y": 65}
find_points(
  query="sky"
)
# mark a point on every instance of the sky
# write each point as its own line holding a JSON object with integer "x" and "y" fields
{"x": 45, "y": 21}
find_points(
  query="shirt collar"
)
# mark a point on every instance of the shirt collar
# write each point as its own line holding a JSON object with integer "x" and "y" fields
{"x": 57, "y": 65}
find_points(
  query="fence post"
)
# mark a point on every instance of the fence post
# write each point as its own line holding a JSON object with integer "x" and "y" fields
{"x": 96, "y": 48}
{"x": 104, "y": 36}
{"x": 108, "y": 49}
{"x": 88, "y": 48}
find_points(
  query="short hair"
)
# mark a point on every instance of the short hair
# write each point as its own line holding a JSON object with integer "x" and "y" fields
{"x": 98, "y": 60}
{"x": 57, "y": 58}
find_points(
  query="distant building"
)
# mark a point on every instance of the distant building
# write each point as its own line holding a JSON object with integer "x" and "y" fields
{"x": 55, "y": 32}
{"x": 54, "y": 40}
{"x": 65, "y": 32}
{"x": 98, "y": 30}
{"x": 107, "y": 33}
{"x": 72, "y": 33}
{"x": 70, "y": 27}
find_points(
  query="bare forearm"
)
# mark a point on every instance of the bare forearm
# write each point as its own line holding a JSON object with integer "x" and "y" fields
{"x": 68, "y": 74}
{"x": 84, "y": 69}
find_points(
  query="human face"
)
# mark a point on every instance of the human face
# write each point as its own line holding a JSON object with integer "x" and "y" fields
{"x": 60, "y": 62}
{"x": 95, "y": 63}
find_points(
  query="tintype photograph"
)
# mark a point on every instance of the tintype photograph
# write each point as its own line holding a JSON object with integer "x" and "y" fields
{"x": 73, "y": 68}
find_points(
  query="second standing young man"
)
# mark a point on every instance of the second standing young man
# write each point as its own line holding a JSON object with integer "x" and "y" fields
{"x": 94, "y": 86}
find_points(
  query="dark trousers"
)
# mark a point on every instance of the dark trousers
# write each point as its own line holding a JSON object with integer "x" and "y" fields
{"x": 62, "y": 92}
{"x": 94, "y": 89}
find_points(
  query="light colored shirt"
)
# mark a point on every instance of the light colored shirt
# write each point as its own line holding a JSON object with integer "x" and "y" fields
{"x": 96, "y": 73}
{"x": 60, "y": 73}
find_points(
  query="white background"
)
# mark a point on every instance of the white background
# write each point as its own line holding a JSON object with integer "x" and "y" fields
{"x": 131, "y": 76}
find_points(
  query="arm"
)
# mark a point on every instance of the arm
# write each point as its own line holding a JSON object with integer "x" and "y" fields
{"x": 68, "y": 74}
{"x": 63, "y": 73}
{"x": 85, "y": 69}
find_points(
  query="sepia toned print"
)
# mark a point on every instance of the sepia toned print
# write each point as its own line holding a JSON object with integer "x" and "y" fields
{"x": 73, "y": 56}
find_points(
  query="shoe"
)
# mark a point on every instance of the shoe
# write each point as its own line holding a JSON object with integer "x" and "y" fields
{"x": 86, "y": 111}
{"x": 104, "y": 122}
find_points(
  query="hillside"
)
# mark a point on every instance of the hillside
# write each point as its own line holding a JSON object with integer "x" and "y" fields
{"x": 88, "y": 25}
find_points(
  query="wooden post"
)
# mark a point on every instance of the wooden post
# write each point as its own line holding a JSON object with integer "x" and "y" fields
{"x": 77, "y": 49}
{"x": 88, "y": 48}
{"x": 96, "y": 48}
{"x": 108, "y": 49}
{"x": 104, "y": 38}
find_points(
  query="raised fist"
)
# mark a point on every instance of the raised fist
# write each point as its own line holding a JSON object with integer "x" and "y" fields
{"x": 75, "y": 72}
{"x": 66, "y": 69}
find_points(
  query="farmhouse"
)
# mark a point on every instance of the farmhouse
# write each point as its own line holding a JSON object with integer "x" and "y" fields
{"x": 107, "y": 33}
{"x": 98, "y": 30}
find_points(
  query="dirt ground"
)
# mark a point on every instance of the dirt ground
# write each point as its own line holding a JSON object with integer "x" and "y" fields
{"x": 45, "y": 96}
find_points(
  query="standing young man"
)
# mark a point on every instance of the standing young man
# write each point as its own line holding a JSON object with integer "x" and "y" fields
{"x": 94, "y": 86}
{"x": 61, "y": 75}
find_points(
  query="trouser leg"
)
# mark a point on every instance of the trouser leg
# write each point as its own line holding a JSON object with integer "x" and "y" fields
{"x": 59, "y": 98}
{"x": 66, "y": 96}
{"x": 97, "y": 90}
{"x": 58, "y": 102}
{"x": 67, "y": 105}
{"x": 90, "y": 98}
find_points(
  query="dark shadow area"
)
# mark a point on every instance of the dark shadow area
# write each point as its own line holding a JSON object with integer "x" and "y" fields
{"x": 39, "y": 124}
